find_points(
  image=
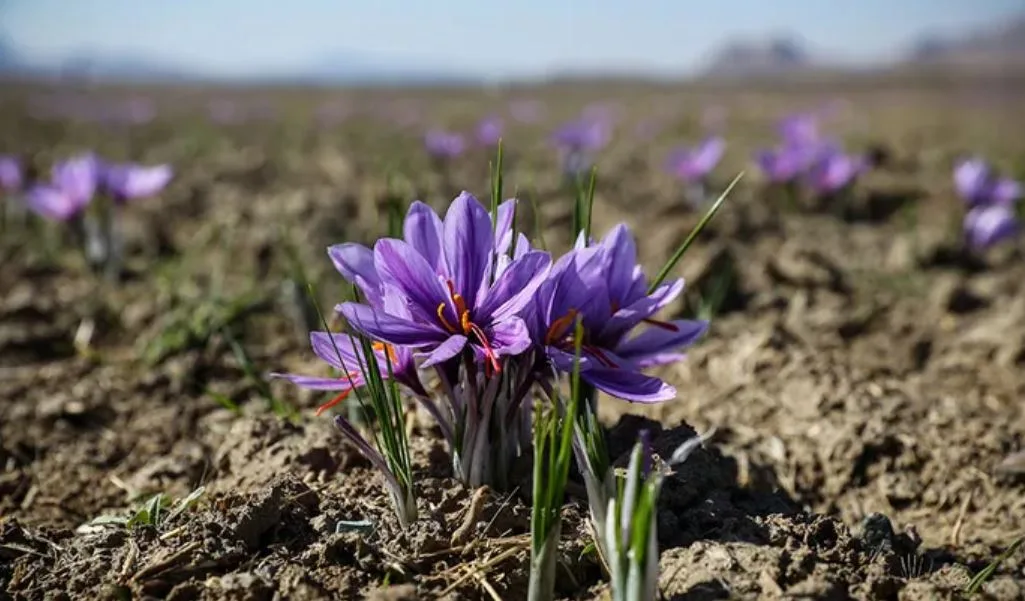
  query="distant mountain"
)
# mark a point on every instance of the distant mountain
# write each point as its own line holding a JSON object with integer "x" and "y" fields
{"x": 998, "y": 45}
{"x": 773, "y": 56}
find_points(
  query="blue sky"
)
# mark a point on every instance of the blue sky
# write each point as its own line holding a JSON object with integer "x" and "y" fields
{"x": 514, "y": 38}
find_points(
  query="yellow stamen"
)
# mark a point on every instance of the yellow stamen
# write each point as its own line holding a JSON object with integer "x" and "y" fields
{"x": 444, "y": 322}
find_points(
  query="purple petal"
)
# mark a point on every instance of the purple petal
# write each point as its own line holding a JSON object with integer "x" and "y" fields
{"x": 136, "y": 181}
{"x": 53, "y": 203}
{"x": 320, "y": 383}
{"x": 337, "y": 351}
{"x": 988, "y": 224}
{"x": 356, "y": 264}
{"x": 388, "y": 328}
{"x": 422, "y": 229}
{"x": 510, "y": 337}
{"x": 654, "y": 345}
{"x": 504, "y": 226}
{"x": 1005, "y": 191}
{"x": 78, "y": 177}
{"x": 515, "y": 287}
{"x": 971, "y": 178}
{"x": 623, "y": 320}
{"x": 469, "y": 241}
{"x": 629, "y": 385}
{"x": 445, "y": 351}
{"x": 403, "y": 266}
{"x": 621, "y": 255}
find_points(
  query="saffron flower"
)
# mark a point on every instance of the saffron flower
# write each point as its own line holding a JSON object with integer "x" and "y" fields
{"x": 836, "y": 171}
{"x": 444, "y": 145}
{"x": 129, "y": 181}
{"x": 11, "y": 178}
{"x": 605, "y": 287}
{"x": 489, "y": 131}
{"x": 442, "y": 272}
{"x": 986, "y": 225}
{"x": 578, "y": 140}
{"x": 72, "y": 187}
{"x": 977, "y": 184}
{"x": 345, "y": 355}
{"x": 693, "y": 165}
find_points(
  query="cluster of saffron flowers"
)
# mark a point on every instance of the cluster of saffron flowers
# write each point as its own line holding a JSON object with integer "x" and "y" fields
{"x": 469, "y": 299}
{"x": 805, "y": 160}
{"x": 444, "y": 145}
{"x": 991, "y": 200}
{"x": 465, "y": 317}
{"x": 75, "y": 195}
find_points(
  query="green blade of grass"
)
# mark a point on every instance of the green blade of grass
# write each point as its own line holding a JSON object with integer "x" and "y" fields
{"x": 671, "y": 264}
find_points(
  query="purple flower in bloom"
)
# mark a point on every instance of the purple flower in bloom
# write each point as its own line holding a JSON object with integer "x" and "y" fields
{"x": 576, "y": 141}
{"x": 444, "y": 145}
{"x": 605, "y": 287}
{"x": 799, "y": 129}
{"x": 694, "y": 164}
{"x": 836, "y": 171}
{"x": 345, "y": 354}
{"x": 128, "y": 181}
{"x": 489, "y": 131}
{"x": 582, "y": 135}
{"x": 977, "y": 185}
{"x": 72, "y": 188}
{"x": 986, "y": 225}
{"x": 11, "y": 178}
{"x": 442, "y": 274}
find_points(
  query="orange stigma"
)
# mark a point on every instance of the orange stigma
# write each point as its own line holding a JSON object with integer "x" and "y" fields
{"x": 388, "y": 351}
{"x": 557, "y": 331}
{"x": 349, "y": 377}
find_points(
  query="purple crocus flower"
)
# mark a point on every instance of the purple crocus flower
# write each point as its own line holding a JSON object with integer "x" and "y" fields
{"x": 605, "y": 287}
{"x": 72, "y": 188}
{"x": 442, "y": 274}
{"x": 444, "y": 145}
{"x": 577, "y": 140}
{"x": 799, "y": 129}
{"x": 129, "y": 181}
{"x": 977, "y": 185}
{"x": 694, "y": 164}
{"x": 988, "y": 224}
{"x": 11, "y": 178}
{"x": 836, "y": 171}
{"x": 489, "y": 131}
{"x": 346, "y": 355}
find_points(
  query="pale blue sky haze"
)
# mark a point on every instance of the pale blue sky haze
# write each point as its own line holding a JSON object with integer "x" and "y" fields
{"x": 513, "y": 38}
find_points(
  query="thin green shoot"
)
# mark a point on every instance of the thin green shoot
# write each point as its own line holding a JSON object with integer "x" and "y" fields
{"x": 671, "y": 264}
{"x": 553, "y": 452}
{"x": 986, "y": 573}
{"x": 379, "y": 398}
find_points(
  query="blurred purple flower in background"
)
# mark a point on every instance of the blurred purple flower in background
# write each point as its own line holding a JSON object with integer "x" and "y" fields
{"x": 489, "y": 131}
{"x": 72, "y": 187}
{"x": 129, "y": 181}
{"x": 976, "y": 184}
{"x": 985, "y": 225}
{"x": 11, "y": 177}
{"x": 992, "y": 201}
{"x": 578, "y": 140}
{"x": 444, "y": 145}
{"x": 836, "y": 171}
{"x": 799, "y": 129}
{"x": 694, "y": 164}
